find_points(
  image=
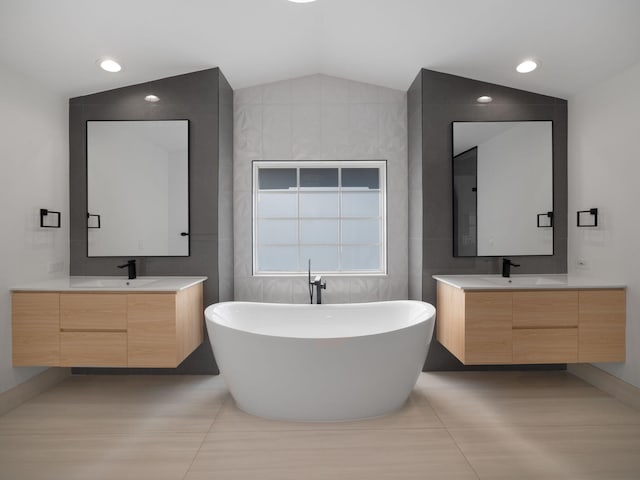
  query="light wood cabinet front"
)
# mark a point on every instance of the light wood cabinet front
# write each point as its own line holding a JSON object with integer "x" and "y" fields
{"x": 547, "y": 308}
{"x": 35, "y": 328}
{"x": 602, "y": 326}
{"x": 532, "y": 326}
{"x": 545, "y": 345}
{"x": 488, "y": 327}
{"x": 107, "y": 329}
{"x": 93, "y": 311}
{"x": 152, "y": 330}
{"x": 93, "y": 349}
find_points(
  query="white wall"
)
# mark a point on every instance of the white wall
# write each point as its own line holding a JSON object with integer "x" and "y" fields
{"x": 604, "y": 172}
{"x": 321, "y": 118}
{"x": 34, "y": 174}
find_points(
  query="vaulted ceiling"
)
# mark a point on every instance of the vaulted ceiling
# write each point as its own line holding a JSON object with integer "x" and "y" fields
{"x": 385, "y": 42}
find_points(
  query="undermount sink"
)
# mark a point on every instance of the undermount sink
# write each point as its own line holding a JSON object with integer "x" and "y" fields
{"x": 523, "y": 280}
{"x": 113, "y": 283}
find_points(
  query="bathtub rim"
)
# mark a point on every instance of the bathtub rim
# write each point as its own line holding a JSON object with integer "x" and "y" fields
{"x": 430, "y": 311}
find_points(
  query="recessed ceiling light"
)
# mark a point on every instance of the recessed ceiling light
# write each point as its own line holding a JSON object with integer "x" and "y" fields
{"x": 302, "y": 1}
{"x": 109, "y": 65}
{"x": 152, "y": 98}
{"x": 484, "y": 99}
{"x": 527, "y": 66}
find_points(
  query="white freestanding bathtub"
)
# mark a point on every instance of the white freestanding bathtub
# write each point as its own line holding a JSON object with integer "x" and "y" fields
{"x": 320, "y": 362}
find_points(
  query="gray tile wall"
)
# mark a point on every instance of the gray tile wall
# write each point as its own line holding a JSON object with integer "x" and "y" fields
{"x": 225, "y": 192}
{"x": 414, "y": 126}
{"x": 321, "y": 118}
{"x": 205, "y": 99}
{"x": 447, "y": 98}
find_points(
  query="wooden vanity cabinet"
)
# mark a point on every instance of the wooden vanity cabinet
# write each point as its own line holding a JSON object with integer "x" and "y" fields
{"x": 110, "y": 329}
{"x": 483, "y": 327}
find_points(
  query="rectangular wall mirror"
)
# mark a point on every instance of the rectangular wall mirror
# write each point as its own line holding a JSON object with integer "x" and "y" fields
{"x": 138, "y": 188}
{"x": 502, "y": 188}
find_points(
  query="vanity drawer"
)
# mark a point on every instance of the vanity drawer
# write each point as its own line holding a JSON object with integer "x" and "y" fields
{"x": 93, "y": 311}
{"x": 93, "y": 349}
{"x": 541, "y": 309}
{"x": 545, "y": 345}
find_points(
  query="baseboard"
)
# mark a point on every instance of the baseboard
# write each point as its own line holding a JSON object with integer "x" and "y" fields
{"x": 32, "y": 387}
{"x": 623, "y": 391}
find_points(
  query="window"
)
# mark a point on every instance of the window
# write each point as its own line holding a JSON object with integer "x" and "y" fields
{"x": 332, "y": 213}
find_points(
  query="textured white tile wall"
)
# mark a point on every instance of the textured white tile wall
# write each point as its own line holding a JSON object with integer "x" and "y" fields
{"x": 326, "y": 118}
{"x": 34, "y": 174}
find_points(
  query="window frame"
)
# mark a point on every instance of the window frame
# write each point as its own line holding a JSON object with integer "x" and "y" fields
{"x": 381, "y": 165}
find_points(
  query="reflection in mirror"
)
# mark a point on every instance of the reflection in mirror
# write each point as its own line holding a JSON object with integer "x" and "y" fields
{"x": 138, "y": 187}
{"x": 502, "y": 181}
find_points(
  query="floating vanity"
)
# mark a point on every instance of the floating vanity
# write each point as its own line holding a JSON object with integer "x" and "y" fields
{"x": 107, "y": 321}
{"x": 488, "y": 319}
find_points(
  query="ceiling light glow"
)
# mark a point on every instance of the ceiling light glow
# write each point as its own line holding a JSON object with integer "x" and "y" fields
{"x": 484, "y": 99}
{"x": 152, "y": 98}
{"x": 302, "y": 1}
{"x": 527, "y": 66}
{"x": 110, "y": 65}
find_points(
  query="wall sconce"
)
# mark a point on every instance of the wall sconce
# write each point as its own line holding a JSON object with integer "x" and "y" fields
{"x": 591, "y": 211}
{"x": 43, "y": 213}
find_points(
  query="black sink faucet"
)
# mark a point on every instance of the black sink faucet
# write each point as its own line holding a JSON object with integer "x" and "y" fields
{"x": 506, "y": 267}
{"x": 131, "y": 266}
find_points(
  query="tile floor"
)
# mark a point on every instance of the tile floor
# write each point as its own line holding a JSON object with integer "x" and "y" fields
{"x": 456, "y": 425}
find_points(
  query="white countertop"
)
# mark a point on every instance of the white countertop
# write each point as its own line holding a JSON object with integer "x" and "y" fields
{"x": 526, "y": 282}
{"x": 110, "y": 284}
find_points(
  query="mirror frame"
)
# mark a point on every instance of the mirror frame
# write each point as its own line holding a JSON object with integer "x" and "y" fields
{"x": 86, "y": 161}
{"x": 553, "y": 193}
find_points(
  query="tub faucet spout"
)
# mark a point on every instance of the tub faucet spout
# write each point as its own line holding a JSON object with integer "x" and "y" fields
{"x": 319, "y": 286}
{"x": 317, "y": 282}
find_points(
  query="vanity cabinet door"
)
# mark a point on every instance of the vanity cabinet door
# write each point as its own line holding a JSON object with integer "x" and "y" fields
{"x": 152, "y": 330}
{"x": 487, "y": 326}
{"x": 602, "y": 325}
{"x": 93, "y": 311}
{"x": 35, "y": 328}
